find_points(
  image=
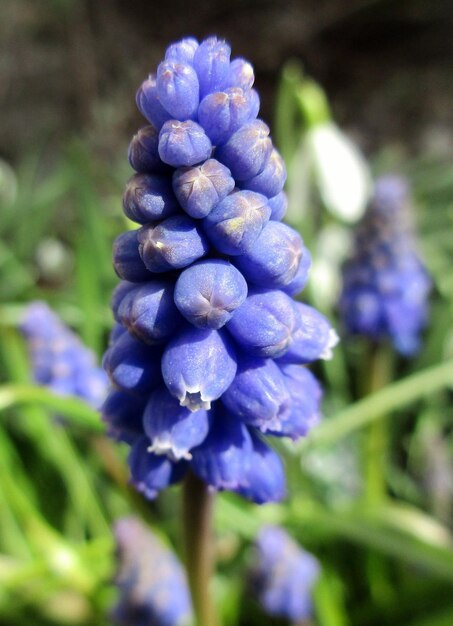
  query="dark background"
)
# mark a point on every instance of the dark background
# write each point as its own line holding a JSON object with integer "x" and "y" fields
{"x": 72, "y": 66}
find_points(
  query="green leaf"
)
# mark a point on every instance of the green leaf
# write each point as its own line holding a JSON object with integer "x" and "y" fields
{"x": 69, "y": 407}
{"x": 378, "y": 405}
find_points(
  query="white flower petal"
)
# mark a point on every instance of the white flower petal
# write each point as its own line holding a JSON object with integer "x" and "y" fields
{"x": 341, "y": 172}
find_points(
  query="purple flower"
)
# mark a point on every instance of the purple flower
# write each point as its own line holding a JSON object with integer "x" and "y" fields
{"x": 198, "y": 365}
{"x": 236, "y": 222}
{"x": 127, "y": 260}
{"x": 385, "y": 284}
{"x": 200, "y": 189}
{"x": 183, "y": 143}
{"x": 208, "y": 292}
{"x": 283, "y": 575}
{"x": 271, "y": 179}
{"x": 173, "y": 429}
{"x": 264, "y": 324}
{"x": 151, "y": 581}
{"x": 212, "y": 63}
{"x": 58, "y": 358}
{"x": 274, "y": 258}
{"x": 171, "y": 244}
{"x": 201, "y": 357}
{"x": 143, "y": 152}
{"x": 149, "y": 198}
{"x": 247, "y": 151}
{"x": 178, "y": 89}
{"x": 223, "y": 113}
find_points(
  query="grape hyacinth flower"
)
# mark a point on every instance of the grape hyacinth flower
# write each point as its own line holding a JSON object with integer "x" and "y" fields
{"x": 152, "y": 585}
{"x": 385, "y": 284}
{"x": 283, "y": 575}
{"x": 209, "y": 348}
{"x": 59, "y": 359}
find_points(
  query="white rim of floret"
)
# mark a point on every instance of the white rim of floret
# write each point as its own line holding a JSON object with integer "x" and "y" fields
{"x": 194, "y": 401}
{"x": 332, "y": 341}
{"x": 163, "y": 447}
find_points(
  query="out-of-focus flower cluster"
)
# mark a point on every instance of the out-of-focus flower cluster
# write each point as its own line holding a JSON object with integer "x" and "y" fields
{"x": 59, "y": 359}
{"x": 152, "y": 584}
{"x": 207, "y": 352}
{"x": 283, "y": 575}
{"x": 386, "y": 286}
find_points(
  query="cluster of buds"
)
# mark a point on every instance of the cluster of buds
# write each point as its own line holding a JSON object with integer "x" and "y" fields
{"x": 208, "y": 349}
{"x": 58, "y": 358}
{"x": 385, "y": 285}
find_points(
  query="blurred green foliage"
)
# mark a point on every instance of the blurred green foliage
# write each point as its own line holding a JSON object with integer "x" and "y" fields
{"x": 385, "y": 560}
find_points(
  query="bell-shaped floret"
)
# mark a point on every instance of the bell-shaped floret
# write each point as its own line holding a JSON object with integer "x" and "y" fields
{"x": 182, "y": 51}
{"x": 212, "y": 63}
{"x": 273, "y": 259}
{"x": 119, "y": 293}
{"x": 223, "y": 459}
{"x": 278, "y": 206}
{"x": 127, "y": 261}
{"x": 182, "y": 144}
{"x": 149, "y": 198}
{"x": 149, "y": 104}
{"x": 270, "y": 181}
{"x": 208, "y": 292}
{"x": 149, "y": 312}
{"x": 200, "y": 189}
{"x": 296, "y": 285}
{"x": 265, "y": 477}
{"x": 258, "y": 395}
{"x": 151, "y": 473}
{"x": 198, "y": 366}
{"x": 313, "y": 337}
{"x": 247, "y": 150}
{"x": 143, "y": 152}
{"x": 123, "y": 414}
{"x": 240, "y": 74}
{"x": 133, "y": 366}
{"x": 305, "y": 393}
{"x": 222, "y": 113}
{"x": 264, "y": 324}
{"x": 174, "y": 243}
{"x": 236, "y": 222}
{"x": 178, "y": 89}
{"x": 173, "y": 429}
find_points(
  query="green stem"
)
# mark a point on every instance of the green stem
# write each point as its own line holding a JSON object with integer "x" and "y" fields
{"x": 197, "y": 518}
{"x": 379, "y": 370}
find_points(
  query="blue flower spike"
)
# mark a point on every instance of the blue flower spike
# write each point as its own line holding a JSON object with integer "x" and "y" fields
{"x": 151, "y": 582}
{"x": 385, "y": 283}
{"x": 206, "y": 357}
{"x": 58, "y": 358}
{"x": 283, "y": 575}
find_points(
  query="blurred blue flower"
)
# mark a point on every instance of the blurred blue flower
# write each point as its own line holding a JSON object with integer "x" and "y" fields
{"x": 205, "y": 304}
{"x": 385, "y": 284}
{"x": 59, "y": 360}
{"x": 283, "y": 575}
{"x": 152, "y": 585}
